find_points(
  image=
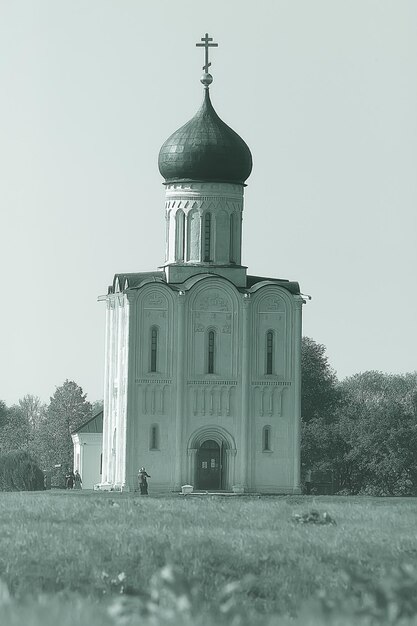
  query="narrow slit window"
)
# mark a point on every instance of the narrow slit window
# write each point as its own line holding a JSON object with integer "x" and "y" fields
{"x": 207, "y": 237}
{"x": 266, "y": 439}
{"x": 232, "y": 239}
{"x": 269, "y": 352}
{"x": 154, "y": 438}
{"x": 180, "y": 218}
{"x": 211, "y": 338}
{"x": 154, "y": 349}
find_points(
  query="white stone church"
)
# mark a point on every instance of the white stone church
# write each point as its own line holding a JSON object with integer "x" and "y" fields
{"x": 202, "y": 371}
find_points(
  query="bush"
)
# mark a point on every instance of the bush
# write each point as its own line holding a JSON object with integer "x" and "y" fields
{"x": 19, "y": 472}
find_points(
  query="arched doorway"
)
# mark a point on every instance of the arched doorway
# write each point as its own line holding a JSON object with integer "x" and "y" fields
{"x": 210, "y": 465}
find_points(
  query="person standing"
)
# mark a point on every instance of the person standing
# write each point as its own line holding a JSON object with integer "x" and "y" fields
{"x": 77, "y": 480}
{"x": 143, "y": 483}
{"x": 69, "y": 479}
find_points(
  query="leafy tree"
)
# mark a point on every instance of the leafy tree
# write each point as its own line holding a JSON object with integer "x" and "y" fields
{"x": 68, "y": 408}
{"x": 97, "y": 406}
{"x": 19, "y": 472}
{"x": 15, "y": 431}
{"x": 320, "y": 442}
{"x": 319, "y": 394}
{"x": 378, "y": 422}
{"x": 3, "y": 413}
{"x": 33, "y": 409}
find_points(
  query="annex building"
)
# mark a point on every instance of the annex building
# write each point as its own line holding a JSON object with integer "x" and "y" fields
{"x": 202, "y": 371}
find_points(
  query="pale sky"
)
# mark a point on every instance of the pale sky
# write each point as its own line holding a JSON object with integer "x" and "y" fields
{"x": 324, "y": 92}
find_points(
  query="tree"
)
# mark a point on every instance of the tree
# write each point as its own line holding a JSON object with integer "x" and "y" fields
{"x": 378, "y": 421}
{"x": 33, "y": 409}
{"x": 319, "y": 394}
{"x": 20, "y": 472}
{"x": 97, "y": 406}
{"x": 15, "y": 432}
{"x": 68, "y": 409}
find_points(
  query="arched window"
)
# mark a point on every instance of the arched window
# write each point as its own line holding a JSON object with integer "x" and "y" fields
{"x": 266, "y": 439}
{"x": 232, "y": 239}
{"x": 207, "y": 237}
{"x": 210, "y": 351}
{"x": 154, "y": 348}
{"x": 180, "y": 235}
{"x": 269, "y": 352}
{"x": 154, "y": 437}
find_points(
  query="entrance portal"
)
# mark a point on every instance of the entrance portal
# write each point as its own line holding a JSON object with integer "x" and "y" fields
{"x": 210, "y": 465}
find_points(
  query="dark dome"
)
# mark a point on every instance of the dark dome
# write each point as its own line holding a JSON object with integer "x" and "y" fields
{"x": 205, "y": 148}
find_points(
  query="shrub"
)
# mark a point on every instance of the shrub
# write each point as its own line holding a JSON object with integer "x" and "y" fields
{"x": 19, "y": 472}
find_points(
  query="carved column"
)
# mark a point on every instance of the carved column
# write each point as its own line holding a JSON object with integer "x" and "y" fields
{"x": 245, "y": 426}
{"x": 180, "y": 391}
{"x": 107, "y": 395}
{"x": 297, "y": 392}
{"x": 231, "y": 458}
{"x": 131, "y": 461}
{"x": 192, "y": 453}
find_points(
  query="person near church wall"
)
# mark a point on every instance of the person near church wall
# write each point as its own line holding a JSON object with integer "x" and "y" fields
{"x": 143, "y": 483}
{"x": 69, "y": 479}
{"x": 77, "y": 480}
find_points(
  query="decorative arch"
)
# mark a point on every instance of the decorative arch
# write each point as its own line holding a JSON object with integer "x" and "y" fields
{"x": 226, "y": 443}
{"x": 155, "y": 306}
{"x": 273, "y": 309}
{"x": 216, "y": 433}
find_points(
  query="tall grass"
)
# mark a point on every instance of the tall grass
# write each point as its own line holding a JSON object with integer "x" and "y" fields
{"x": 227, "y": 556}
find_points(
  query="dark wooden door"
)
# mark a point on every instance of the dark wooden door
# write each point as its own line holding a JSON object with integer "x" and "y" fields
{"x": 209, "y": 466}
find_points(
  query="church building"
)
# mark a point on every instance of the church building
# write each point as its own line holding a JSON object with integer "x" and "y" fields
{"x": 202, "y": 359}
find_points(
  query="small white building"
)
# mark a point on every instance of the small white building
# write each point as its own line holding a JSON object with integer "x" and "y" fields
{"x": 202, "y": 370}
{"x": 88, "y": 448}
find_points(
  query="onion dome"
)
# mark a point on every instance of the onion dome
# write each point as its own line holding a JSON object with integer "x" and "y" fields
{"x": 205, "y": 149}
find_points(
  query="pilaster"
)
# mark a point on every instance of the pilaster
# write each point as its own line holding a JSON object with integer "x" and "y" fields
{"x": 180, "y": 390}
{"x": 297, "y": 392}
{"x": 191, "y": 470}
{"x": 244, "y": 452}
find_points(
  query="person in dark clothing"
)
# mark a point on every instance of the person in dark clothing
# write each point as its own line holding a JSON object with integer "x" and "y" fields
{"x": 69, "y": 479}
{"x": 143, "y": 483}
{"x": 77, "y": 480}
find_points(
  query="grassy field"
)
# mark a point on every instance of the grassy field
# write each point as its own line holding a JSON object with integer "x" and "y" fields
{"x": 113, "y": 559}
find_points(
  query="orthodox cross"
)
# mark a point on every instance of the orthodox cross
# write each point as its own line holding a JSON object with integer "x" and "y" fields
{"x": 206, "y": 45}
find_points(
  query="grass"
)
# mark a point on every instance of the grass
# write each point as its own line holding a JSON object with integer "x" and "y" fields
{"x": 78, "y": 558}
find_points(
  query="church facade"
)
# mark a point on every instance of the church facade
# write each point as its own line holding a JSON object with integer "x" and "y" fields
{"x": 202, "y": 371}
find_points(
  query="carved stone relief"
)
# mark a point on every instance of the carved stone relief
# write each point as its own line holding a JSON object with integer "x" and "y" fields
{"x": 155, "y": 300}
{"x": 216, "y": 399}
{"x": 154, "y": 398}
{"x": 272, "y": 303}
{"x": 268, "y": 400}
{"x": 212, "y": 301}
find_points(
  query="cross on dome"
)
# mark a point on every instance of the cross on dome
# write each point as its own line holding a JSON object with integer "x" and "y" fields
{"x": 206, "y": 78}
